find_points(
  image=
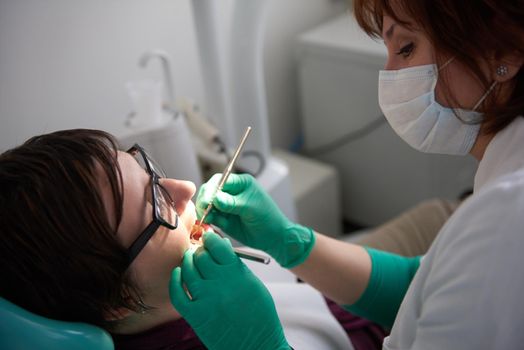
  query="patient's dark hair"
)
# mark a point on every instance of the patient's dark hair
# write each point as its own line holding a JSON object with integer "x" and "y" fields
{"x": 59, "y": 255}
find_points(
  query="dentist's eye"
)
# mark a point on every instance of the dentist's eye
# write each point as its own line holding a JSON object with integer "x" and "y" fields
{"x": 405, "y": 51}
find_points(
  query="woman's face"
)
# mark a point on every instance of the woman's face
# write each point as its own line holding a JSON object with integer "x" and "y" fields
{"x": 153, "y": 266}
{"x": 408, "y": 47}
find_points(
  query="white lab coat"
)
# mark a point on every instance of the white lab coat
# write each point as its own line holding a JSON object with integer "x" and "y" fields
{"x": 469, "y": 290}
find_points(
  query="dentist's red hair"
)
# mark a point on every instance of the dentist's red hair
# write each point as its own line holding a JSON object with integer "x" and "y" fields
{"x": 475, "y": 32}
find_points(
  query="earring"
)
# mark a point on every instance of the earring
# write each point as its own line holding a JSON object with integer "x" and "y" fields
{"x": 502, "y": 70}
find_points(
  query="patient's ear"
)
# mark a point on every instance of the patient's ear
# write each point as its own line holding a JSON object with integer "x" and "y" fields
{"x": 116, "y": 314}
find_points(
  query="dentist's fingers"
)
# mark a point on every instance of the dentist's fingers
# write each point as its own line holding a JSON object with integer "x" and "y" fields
{"x": 206, "y": 265}
{"x": 219, "y": 248}
{"x": 236, "y": 184}
{"x": 222, "y": 220}
{"x": 205, "y": 194}
{"x": 179, "y": 298}
{"x": 227, "y": 203}
{"x": 190, "y": 275}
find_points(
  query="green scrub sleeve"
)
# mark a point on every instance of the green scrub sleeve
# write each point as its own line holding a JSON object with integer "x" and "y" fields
{"x": 390, "y": 277}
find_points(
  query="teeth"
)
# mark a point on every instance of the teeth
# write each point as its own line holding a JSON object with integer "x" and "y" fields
{"x": 196, "y": 234}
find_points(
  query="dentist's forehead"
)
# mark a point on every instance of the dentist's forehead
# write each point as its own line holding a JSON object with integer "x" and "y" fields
{"x": 391, "y": 27}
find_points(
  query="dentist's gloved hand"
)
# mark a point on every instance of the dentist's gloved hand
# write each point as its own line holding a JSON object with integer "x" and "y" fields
{"x": 230, "y": 307}
{"x": 247, "y": 213}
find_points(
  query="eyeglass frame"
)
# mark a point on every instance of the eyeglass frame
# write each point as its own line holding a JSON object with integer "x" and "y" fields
{"x": 140, "y": 242}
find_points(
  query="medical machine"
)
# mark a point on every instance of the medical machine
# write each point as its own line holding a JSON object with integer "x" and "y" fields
{"x": 156, "y": 124}
{"x": 230, "y": 48}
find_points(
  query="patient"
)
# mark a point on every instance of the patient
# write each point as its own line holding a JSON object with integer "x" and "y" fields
{"x": 71, "y": 207}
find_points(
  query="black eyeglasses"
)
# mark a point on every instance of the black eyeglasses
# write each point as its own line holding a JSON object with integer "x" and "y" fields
{"x": 163, "y": 206}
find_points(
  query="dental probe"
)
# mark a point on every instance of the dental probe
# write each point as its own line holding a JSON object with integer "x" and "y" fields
{"x": 225, "y": 173}
{"x": 252, "y": 256}
{"x": 238, "y": 251}
{"x": 241, "y": 253}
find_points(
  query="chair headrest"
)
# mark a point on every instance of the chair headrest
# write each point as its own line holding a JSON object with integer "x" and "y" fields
{"x": 21, "y": 329}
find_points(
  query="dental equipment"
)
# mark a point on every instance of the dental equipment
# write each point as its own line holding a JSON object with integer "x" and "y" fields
{"x": 251, "y": 256}
{"x": 166, "y": 71}
{"x": 196, "y": 241}
{"x": 229, "y": 168}
{"x": 225, "y": 173}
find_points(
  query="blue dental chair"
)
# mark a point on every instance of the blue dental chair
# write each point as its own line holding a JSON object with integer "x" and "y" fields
{"x": 21, "y": 329}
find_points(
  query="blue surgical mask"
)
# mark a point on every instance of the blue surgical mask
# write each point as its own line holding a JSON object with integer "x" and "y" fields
{"x": 407, "y": 99}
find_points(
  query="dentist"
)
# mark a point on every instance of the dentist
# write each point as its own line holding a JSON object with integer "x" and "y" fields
{"x": 453, "y": 84}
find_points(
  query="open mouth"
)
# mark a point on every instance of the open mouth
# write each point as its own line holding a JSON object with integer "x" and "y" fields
{"x": 197, "y": 231}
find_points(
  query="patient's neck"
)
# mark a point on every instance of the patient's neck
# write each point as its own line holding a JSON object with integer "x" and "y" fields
{"x": 137, "y": 322}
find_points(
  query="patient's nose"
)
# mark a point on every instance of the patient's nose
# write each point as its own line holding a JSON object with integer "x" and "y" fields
{"x": 181, "y": 192}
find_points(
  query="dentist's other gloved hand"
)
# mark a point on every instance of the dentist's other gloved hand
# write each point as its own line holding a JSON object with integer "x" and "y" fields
{"x": 230, "y": 307}
{"x": 247, "y": 213}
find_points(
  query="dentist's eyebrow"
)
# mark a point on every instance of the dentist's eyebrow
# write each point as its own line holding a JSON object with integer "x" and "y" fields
{"x": 389, "y": 32}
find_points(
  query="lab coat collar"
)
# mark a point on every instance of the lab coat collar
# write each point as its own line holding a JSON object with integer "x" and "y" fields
{"x": 503, "y": 155}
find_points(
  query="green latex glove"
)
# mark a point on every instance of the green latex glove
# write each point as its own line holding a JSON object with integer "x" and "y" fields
{"x": 247, "y": 213}
{"x": 230, "y": 307}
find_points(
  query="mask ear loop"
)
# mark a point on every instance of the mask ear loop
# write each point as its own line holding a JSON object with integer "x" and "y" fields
{"x": 446, "y": 63}
{"x": 477, "y": 105}
{"x": 484, "y": 96}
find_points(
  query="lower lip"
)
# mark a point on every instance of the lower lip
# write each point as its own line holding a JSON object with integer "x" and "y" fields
{"x": 197, "y": 231}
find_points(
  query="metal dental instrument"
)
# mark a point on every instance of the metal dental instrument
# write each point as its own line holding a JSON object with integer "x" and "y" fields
{"x": 252, "y": 256}
{"x": 241, "y": 253}
{"x": 238, "y": 251}
{"x": 226, "y": 172}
